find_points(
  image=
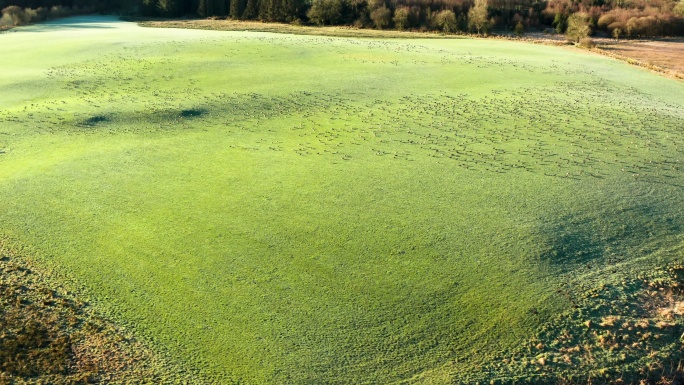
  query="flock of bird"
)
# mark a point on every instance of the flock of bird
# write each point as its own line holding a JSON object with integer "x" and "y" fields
{"x": 568, "y": 129}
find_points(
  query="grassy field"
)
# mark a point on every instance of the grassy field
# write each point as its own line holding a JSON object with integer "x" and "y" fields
{"x": 258, "y": 26}
{"x": 269, "y": 208}
{"x": 663, "y": 56}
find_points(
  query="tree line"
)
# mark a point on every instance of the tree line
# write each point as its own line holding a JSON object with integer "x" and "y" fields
{"x": 619, "y": 18}
{"x": 20, "y": 12}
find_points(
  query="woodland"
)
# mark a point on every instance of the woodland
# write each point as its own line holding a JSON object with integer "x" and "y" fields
{"x": 578, "y": 18}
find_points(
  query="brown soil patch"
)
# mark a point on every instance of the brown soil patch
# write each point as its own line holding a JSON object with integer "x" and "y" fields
{"x": 49, "y": 336}
{"x": 626, "y": 333}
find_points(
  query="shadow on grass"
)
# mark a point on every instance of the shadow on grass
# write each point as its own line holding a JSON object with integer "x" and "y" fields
{"x": 95, "y": 120}
{"x": 192, "y": 113}
{"x": 75, "y": 23}
{"x": 610, "y": 233}
{"x": 175, "y": 115}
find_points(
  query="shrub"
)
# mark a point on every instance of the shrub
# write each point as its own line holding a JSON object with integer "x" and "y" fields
{"x": 642, "y": 22}
{"x": 13, "y": 16}
{"x": 606, "y": 20}
{"x": 617, "y": 32}
{"x": 643, "y": 26}
{"x": 587, "y": 42}
{"x": 519, "y": 29}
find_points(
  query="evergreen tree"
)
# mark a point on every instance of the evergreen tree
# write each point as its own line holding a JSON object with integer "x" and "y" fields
{"x": 222, "y": 7}
{"x": 274, "y": 10}
{"x": 251, "y": 10}
{"x": 237, "y": 8}
{"x": 264, "y": 9}
{"x": 560, "y": 22}
{"x": 289, "y": 10}
{"x": 149, "y": 8}
{"x": 168, "y": 8}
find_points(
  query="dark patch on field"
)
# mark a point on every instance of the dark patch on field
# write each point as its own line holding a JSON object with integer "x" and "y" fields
{"x": 191, "y": 113}
{"x": 95, "y": 120}
{"x": 610, "y": 229}
{"x": 574, "y": 243}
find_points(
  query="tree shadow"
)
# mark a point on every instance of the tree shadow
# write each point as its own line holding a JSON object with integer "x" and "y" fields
{"x": 615, "y": 230}
{"x": 74, "y": 23}
{"x": 95, "y": 120}
{"x": 191, "y": 113}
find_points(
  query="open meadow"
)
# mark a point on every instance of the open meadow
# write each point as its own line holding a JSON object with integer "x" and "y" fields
{"x": 284, "y": 209}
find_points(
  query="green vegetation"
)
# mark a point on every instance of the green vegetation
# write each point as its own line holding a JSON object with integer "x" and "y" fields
{"x": 295, "y": 209}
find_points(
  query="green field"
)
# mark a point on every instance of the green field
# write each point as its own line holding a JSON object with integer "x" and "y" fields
{"x": 285, "y": 209}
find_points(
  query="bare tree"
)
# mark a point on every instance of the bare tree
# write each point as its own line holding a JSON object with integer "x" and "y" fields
{"x": 478, "y": 17}
{"x": 578, "y": 27}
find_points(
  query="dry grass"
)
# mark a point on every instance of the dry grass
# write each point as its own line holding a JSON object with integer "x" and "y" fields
{"x": 619, "y": 335}
{"x": 665, "y": 56}
{"x": 257, "y": 26}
